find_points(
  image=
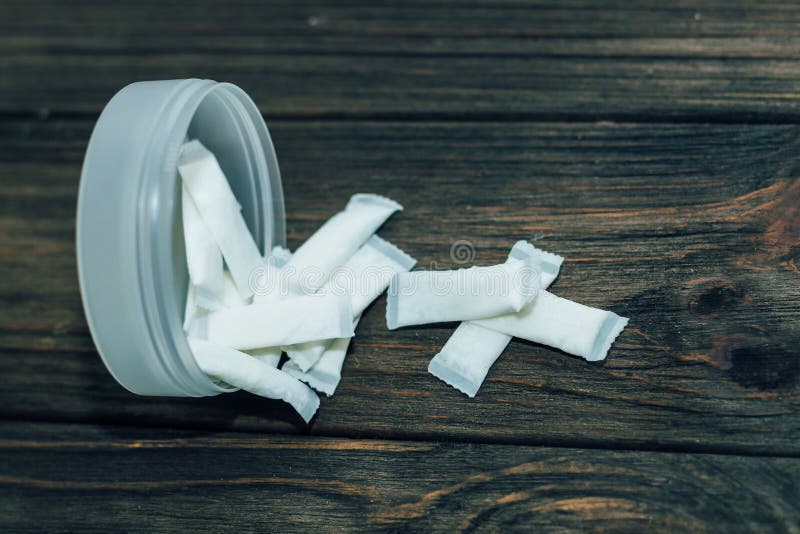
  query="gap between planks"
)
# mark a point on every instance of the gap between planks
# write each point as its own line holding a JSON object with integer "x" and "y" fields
{"x": 583, "y": 444}
{"x": 754, "y": 118}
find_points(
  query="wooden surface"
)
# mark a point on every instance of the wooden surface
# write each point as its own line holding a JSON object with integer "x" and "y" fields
{"x": 653, "y": 145}
{"x": 277, "y": 483}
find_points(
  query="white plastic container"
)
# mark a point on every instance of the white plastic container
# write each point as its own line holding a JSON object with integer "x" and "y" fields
{"x": 131, "y": 258}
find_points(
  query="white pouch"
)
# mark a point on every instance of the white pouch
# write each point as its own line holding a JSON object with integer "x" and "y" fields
{"x": 195, "y": 322}
{"x": 546, "y": 263}
{"x": 563, "y": 324}
{"x": 208, "y": 187}
{"x": 192, "y": 313}
{"x": 190, "y": 309}
{"x": 267, "y": 284}
{"x": 364, "y": 277}
{"x": 289, "y": 321}
{"x": 271, "y": 268}
{"x": 325, "y": 375}
{"x": 245, "y": 372}
{"x": 369, "y": 271}
{"x": 231, "y": 297}
{"x": 270, "y": 356}
{"x": 336, "y": 241}
{"x": 466, "y": 358}
{"x": 203, "y": 257}
{"x": 423, "y": 297}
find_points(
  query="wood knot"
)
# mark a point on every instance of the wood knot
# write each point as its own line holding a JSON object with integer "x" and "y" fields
{"x": 764, "y": 366}
{"x": 718, "y": 298}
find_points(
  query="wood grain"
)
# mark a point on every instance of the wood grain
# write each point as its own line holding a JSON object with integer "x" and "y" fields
{"x": 654, "y": 145}
{"x": 684, "y": 61}
{"x": 157, "y": 479}
{"x": 692, "y": 231}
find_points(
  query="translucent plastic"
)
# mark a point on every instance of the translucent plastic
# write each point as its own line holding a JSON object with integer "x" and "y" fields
{"x": 130, "y": 250}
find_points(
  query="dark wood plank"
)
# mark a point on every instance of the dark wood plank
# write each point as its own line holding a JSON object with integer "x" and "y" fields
{"x": 692, "y": 231}
{"x": 60, "y": 477}
{"x": 668, "y": 61}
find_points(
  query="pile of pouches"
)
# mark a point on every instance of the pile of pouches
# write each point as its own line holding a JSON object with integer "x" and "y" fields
{"x": 243, "y": 311}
